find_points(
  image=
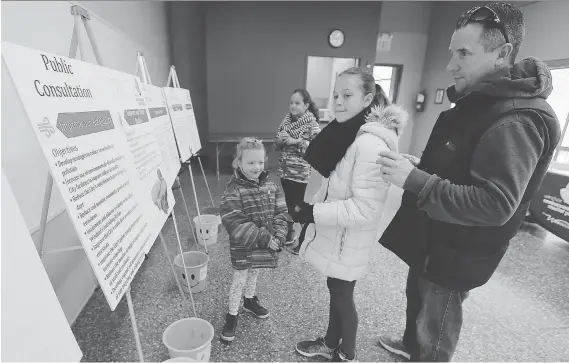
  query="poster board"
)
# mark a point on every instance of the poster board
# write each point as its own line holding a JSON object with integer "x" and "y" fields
{"x": 34, "y": 327}
{"x": 160, "y": 117}
{"x": 74, "y": 108}
{"x": 195, "y": 143}
{"x": 183, "y": 121}
{"x": 140, "y": 129}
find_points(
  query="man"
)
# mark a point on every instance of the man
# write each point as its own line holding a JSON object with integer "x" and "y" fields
{"x": 467, "y": 196}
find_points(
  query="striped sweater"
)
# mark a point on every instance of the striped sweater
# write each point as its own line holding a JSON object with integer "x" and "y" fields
{"x": 252, "y": 213}
{"x": 292, "y": 165}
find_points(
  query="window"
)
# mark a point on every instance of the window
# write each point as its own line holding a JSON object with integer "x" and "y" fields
{"x": 388, "y": 77}
{"x": 558, "y": 101}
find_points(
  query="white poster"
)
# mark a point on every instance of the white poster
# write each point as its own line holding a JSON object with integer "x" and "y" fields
{"x": 195, "y": 143}
{"x": 159, "y": 116}
{"x": 141, "y": 134}
{"x": 185, "y": 128}
{"x": 34, "y": 327}
{"x": 74, "y": 110}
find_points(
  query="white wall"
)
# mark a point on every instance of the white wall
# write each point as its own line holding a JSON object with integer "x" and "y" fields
{"x": 256, "y": 56}
{"x": 408, "y": 48}
{"x": 546, "y": 38}
{"x": 120, "y": 30}
{"x": 186, "y": 21}
{"x": 547, "y": 30}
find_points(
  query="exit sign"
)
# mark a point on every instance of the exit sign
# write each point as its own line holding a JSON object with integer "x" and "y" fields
{"x": 384, "y": 42}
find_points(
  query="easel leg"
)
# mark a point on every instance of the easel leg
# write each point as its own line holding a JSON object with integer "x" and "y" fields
{"x": 134, "y": 326}
{"x": 184, "y": 264}
{"x": 44, "y": 212}
{"x": 174, "y": 272}
{"x": 194, "y": 235}
{"x": 217, "y": 161}
{"x": 206, "y": 183}
{"x": 77, "y": 19}
{"x": 93, "y": 43}
{"x": 197, "y": 205}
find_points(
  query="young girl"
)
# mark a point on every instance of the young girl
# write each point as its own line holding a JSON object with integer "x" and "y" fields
{"x": 344, "y": 221}
{"x": 253, "y": 211}
{"x": 294, "y": 134}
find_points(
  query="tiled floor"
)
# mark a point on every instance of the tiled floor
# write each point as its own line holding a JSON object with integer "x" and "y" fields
{"x": 522, "y": 314}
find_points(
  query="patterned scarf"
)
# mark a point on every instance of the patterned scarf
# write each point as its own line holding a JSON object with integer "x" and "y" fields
{"x": 296, "y": 128}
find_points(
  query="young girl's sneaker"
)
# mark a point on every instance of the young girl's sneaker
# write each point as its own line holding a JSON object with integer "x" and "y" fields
{"x": 339, "y": 356}
{"x": 290, "y": 239}
{"x": 252, "y": 306}
{"x": 296, "y": 250}
{"x": 313, "y": 348}
{"x": 395, "y": 346}
{"x": 228, "y": 332}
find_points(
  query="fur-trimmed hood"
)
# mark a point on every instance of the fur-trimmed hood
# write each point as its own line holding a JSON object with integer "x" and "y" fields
{"x": 386, "y": 123}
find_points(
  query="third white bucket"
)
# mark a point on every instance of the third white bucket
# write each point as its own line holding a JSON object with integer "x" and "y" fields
{"x": 189, "y": 337}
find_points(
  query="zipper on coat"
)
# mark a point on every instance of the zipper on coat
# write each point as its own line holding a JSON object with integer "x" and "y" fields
{"x": 342, "y": 241}
{"x": 313, "y": 238}
{"x": 425, "y": 264}
{"x": 315, "y": 233}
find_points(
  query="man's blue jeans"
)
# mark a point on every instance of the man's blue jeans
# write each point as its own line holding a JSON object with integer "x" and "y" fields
{"x": 434, "y": 319}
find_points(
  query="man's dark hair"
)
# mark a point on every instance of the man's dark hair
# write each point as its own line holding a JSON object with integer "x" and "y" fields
{"x": 492, "y": 37}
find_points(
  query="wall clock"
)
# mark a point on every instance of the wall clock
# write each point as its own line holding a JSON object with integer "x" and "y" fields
{"x": 336, "y": 38}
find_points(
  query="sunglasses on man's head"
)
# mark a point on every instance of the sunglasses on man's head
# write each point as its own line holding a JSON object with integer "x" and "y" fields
{"x": 481, "y": 14}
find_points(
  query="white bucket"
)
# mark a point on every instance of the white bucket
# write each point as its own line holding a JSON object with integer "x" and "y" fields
{"x": 208, "y": 231}
{"x": 196, "y": 270}
{"x": 189, "y": 337}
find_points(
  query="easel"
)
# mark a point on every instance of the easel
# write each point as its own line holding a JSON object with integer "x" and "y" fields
{"x": 145, "y": 76}
{"x": 173, "y": 79}
{"x": 142, "y": 69}
{"x": 81, "y": 16}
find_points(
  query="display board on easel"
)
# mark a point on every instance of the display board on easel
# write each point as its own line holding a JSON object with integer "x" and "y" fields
{"x": 183, "y": 117}
{"x": 89, "y": 157}
{"x": 158, "y": 112}
{"x": 184, "y": 121}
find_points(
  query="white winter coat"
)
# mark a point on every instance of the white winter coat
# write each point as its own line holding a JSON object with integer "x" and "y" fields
{"x": 349, "y": 205}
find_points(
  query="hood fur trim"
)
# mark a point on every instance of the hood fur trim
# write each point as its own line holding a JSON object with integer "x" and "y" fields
{"x": 392, "y": 117}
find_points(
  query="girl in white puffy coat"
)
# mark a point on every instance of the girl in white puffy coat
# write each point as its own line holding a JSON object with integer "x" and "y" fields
{"x": 345, "y": 219}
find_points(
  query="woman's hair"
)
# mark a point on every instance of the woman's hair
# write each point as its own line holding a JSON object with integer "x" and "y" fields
{"x": 246, "y": 143}
{"x": 368, "y": 85}
{"x": 307, "y": 99}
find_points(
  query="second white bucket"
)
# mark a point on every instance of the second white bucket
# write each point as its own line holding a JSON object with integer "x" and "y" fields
{"x": 207, "y": 230}
{"x": 196, "y": 270}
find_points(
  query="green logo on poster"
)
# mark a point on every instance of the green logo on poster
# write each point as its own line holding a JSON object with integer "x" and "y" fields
{"x": 46, "y": 128}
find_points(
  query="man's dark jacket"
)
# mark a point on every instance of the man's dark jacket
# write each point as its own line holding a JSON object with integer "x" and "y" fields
{"x": 484, "y": 161}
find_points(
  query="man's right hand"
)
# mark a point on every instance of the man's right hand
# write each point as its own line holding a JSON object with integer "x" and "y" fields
{"x": 412, "y": 158}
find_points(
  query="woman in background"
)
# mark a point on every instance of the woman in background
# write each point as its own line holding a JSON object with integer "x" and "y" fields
{"x": 298, "y": 128}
